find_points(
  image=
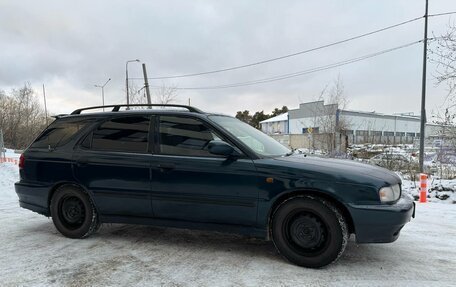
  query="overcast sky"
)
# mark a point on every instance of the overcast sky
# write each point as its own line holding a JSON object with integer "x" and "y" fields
{"x": 72, "y": 45}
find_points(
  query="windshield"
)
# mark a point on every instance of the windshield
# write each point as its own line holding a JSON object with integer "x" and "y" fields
{"x": 250, "y": 136}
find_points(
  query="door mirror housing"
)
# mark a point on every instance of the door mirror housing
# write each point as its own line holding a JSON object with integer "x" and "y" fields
{"x": 221, "y": 148}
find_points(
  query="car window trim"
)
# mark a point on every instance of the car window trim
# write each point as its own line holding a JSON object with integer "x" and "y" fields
{"x": 207, "y": 124}
{"x": 246, "y": 150}
{"x": 67, "y": 140}
{"x": 151, "y": 145}
{"x": 90, "y": 134}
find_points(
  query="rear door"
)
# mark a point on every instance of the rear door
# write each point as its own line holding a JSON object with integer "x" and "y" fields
{"x": 191, "y": 184}
{"x": 113, "y": 162}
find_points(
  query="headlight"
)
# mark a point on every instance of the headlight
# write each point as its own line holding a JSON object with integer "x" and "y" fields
{"x": 390, "y": 193}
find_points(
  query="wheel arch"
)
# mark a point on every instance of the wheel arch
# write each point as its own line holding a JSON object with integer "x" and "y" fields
{"x": 56, "y": 186}
{"x": 310, "y": 192}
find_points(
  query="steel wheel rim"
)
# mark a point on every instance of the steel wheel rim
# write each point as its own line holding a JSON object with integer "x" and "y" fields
{"x": 306, "y": 233}
{"x": 71, "y": 212}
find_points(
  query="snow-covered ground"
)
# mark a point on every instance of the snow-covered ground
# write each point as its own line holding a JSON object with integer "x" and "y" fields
{"x": 33, "y": 253}
{"x": 11, "y": 153}
{"x": 439, "y": 190}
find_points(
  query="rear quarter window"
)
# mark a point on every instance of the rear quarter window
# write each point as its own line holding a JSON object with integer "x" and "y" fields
{"x": 59, "y": 133}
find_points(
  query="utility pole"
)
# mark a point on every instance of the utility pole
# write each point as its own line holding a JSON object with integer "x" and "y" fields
{"x": 45, "y": 106}
{"x": 146, "y": 84}
{"x": 423, "y": 90}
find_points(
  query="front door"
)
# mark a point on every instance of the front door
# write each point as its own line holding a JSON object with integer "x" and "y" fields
{"x": 191, "y": 184}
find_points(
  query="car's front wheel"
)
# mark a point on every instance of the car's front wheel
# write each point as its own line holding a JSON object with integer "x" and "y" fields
{"x": 73, "y": 212}
{"x": 309, "y": 231}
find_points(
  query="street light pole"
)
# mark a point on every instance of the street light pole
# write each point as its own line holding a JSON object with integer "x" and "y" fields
{"x": 126, "y": 79}
{"x": 102, "y": 91}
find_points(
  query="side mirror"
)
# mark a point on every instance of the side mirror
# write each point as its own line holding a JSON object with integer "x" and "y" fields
{"x": 221, "y": 148}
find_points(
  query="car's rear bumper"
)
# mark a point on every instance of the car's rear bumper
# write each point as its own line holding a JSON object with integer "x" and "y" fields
{"x": 381, "y": 223}
{"x": 33, "y": 197}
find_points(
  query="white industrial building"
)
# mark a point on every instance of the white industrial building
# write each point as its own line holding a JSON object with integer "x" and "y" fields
{"x": 275, "y": 125}
{"x": 356, "y": 126}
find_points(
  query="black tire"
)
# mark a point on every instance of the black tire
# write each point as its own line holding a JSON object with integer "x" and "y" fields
{"x": 73, "y": 212}
{"x": 309, "y": 231}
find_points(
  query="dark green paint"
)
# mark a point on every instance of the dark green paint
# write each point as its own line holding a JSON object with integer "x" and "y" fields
{"x": 222, "y": 193}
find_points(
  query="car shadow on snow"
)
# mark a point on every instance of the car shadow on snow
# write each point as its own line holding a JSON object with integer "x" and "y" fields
{"x": 361, "y": 256}
{"x": 143, "y": 238}
{"x": 195, "y": 240}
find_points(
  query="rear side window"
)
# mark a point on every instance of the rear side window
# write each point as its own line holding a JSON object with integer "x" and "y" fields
{"x": 59, "y": 133}
{"x": 126, "y": 134}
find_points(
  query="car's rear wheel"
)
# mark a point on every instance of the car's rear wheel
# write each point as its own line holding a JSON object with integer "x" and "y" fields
{"x": 73, "y": 212}
{"x": 309, "y": 231}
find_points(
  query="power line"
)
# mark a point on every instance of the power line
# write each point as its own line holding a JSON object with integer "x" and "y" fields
{"x": 288, "y": 55}
{"x": 442, "y": 14}
{"x": 299, "y": 73}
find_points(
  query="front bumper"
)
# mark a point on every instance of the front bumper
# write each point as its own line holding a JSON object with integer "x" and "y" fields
{"x": 381, "y": 223}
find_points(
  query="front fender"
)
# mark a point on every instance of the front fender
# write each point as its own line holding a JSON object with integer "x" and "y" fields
{"x": 342, "y": 193}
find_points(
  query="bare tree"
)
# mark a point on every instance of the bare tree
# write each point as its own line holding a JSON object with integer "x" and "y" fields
{"x": 336, "y": 94}
{"x": 137, "y": 94}
{"x": 444, "y": 56}
{"x": 327, "y": 117}
{"x": 165, "y": 94}
{"x": 21, "y": 116}
{"x": 446, "y": 121}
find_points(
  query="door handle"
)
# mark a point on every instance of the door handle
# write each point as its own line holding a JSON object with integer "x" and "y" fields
{"x": 166, "y": 166}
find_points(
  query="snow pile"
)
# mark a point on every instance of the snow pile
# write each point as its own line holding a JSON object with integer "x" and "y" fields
{"x": 12, "y": 154}
{"x": 307, "y": 151}
{"x": 439, "y": 190}
{"x": 9, "y": 174}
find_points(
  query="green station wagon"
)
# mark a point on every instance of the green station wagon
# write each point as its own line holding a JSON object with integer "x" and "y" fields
{"x": 176, "y": 166}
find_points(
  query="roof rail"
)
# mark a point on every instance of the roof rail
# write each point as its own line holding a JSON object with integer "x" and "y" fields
{"x": 59, "y": 116}
{"x": 116, "y": 108}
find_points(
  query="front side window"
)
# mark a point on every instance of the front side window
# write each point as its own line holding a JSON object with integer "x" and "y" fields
{"x": 185, "y": 136}
{"x": 125, "y": 134}
{"x": 256, "y": 140}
